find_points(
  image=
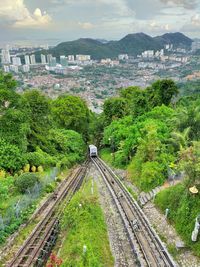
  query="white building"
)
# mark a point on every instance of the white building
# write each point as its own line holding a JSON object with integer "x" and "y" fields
{"x": 32, "y": 59}
{"x": 5, "y": 56}
{"x": 148, "y": 54}
{"x": 6, "y": 68}
{"x": 71, "y": 58}
{"x": 14, "y": 68}
{"x": 49, "y": 58}
{"x": 123, "y": 57}
{"x": 16, "y": 61}
{"x": 43, "y": 59}
{"x": 52, "y": 62}
{"x": 26, "y": 68}
{"x": 63, "y": 61}
{"x": 27, "y": 60}
{"x": 83, "y": 57}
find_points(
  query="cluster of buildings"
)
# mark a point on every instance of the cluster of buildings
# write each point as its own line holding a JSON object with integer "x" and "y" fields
{"x": 15, "y": 63}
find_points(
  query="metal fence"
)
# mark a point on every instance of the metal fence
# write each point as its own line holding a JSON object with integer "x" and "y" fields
{"x": 25, "y": 201}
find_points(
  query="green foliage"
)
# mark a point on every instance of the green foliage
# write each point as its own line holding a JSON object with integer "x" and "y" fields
{"x": 39, "y": 112}
{"x": 71, "y": 112}
{"x": 190, "y": 164}
{"x": 137, "y": 100}
{"x": 183, "y": 210}
{"x": 115, "y": 108}
{"x": 161, "y": 92}
{"x": 26, "y": 181}
{"x": 151, "y": 175}
{"x": 7, "y": 82}
{"x": 11, "y": 159}
{"x": 14, "y": 119}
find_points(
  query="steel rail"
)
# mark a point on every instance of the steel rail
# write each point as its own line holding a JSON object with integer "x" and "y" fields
{"x": 153, "y": 251}
{"x": 30, "y": 250}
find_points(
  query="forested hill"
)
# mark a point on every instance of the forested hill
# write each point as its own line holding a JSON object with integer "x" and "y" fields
{"x": 132, "y": 44}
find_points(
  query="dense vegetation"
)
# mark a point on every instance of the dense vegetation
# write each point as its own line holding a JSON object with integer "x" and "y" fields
{"x": 38, "y": 131}
{"x": 38, "y": 137}
{"x": 155, "y": 135}
{"x": 84, "y": 225}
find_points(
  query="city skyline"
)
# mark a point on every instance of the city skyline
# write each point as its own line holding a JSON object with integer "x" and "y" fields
{"x": 64, "y": 20}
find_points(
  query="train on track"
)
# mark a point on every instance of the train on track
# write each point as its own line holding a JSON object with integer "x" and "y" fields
{"x": 93, "y": 151}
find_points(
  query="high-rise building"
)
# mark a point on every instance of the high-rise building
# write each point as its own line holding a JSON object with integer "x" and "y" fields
{"x": 6, "y": 68}
{"x": 5, "y": 56}
{"x": 83, "y": 57}
{"x": 16, "y": 61}
{"x": 43, "y": 59}
{"x": 123, "y": 57}
{"x": 27, "y": 60}
{"x": 71, "y": 58}
{"x": 32, "y": 58}
{"x": 63, "y": 61}
{"x": 52, "y": 62}
{"x": 14, "y": 68}
{"x": 26, "y": 68}
{"x": 49, "y": 58}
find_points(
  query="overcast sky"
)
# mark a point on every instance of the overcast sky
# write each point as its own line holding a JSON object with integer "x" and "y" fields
{"x": 109, "y": 19}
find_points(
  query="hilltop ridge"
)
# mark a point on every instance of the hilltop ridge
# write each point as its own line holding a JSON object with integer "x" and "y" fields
{"x": 131, "y": 44}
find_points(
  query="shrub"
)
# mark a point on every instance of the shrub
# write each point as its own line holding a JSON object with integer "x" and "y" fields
{"x": 11, "y": 158}
{"x": 35, "y": 158}
{"x": 151, "y": 175}
{"x": 26, "y": 168}
{"x": 26, "y": 181}
{"x": 33, "y": 169}
{"x": 40, "y": 169}
{"x": 2, "y": 174}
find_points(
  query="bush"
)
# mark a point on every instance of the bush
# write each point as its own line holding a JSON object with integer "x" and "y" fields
{"x": 40, "y": 169}
{"x": 26, "y": 181}
{"x": 26, "y": 168}
{"x": 33, "y": 169}
{"x": 40, "y": 157}
{"x": 2, "y": 174}
{"x": 151, "y": 175}
{"x": 11, "y": 158}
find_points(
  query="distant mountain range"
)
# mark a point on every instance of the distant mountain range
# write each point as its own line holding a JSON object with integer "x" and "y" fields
{"x": 132, "y": 44}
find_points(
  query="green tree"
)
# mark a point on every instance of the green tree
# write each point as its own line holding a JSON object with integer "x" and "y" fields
{"x": 26, "y": 181}
{"x": 11, "y": 158}
{"x": 161, "y": 92}
{"x": 137, "y": 100}
{"x": 39, "y": 112}
{"x": 71, "y": 112}
{"x": 115, "y": 108}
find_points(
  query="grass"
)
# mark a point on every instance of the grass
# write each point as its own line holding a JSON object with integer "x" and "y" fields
{"x": 112, "y": 160}
{"x": 84, "y": 225}
{"x": 183, "y": 210}
{"x": 106, "y": 155}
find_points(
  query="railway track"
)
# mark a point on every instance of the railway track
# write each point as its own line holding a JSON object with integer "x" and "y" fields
{"x": 36, "y": 249}
{"x": 145, "y": 243}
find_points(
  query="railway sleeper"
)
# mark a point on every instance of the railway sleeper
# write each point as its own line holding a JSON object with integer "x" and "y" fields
{"x": 48, "y": 245}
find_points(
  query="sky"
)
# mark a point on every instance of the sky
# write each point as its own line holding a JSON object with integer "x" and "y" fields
{"x": 65, "y": 20}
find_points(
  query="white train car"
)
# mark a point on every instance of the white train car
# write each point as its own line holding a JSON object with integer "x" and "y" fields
{"x": 93, "y": 151}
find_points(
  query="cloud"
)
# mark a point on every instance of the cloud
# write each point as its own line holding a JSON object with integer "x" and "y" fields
{"x": 188, "y": 4}
{"x": 15, "y": 12}
{"x": 86, "y": 25}
{"x": 192, "y": 26}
